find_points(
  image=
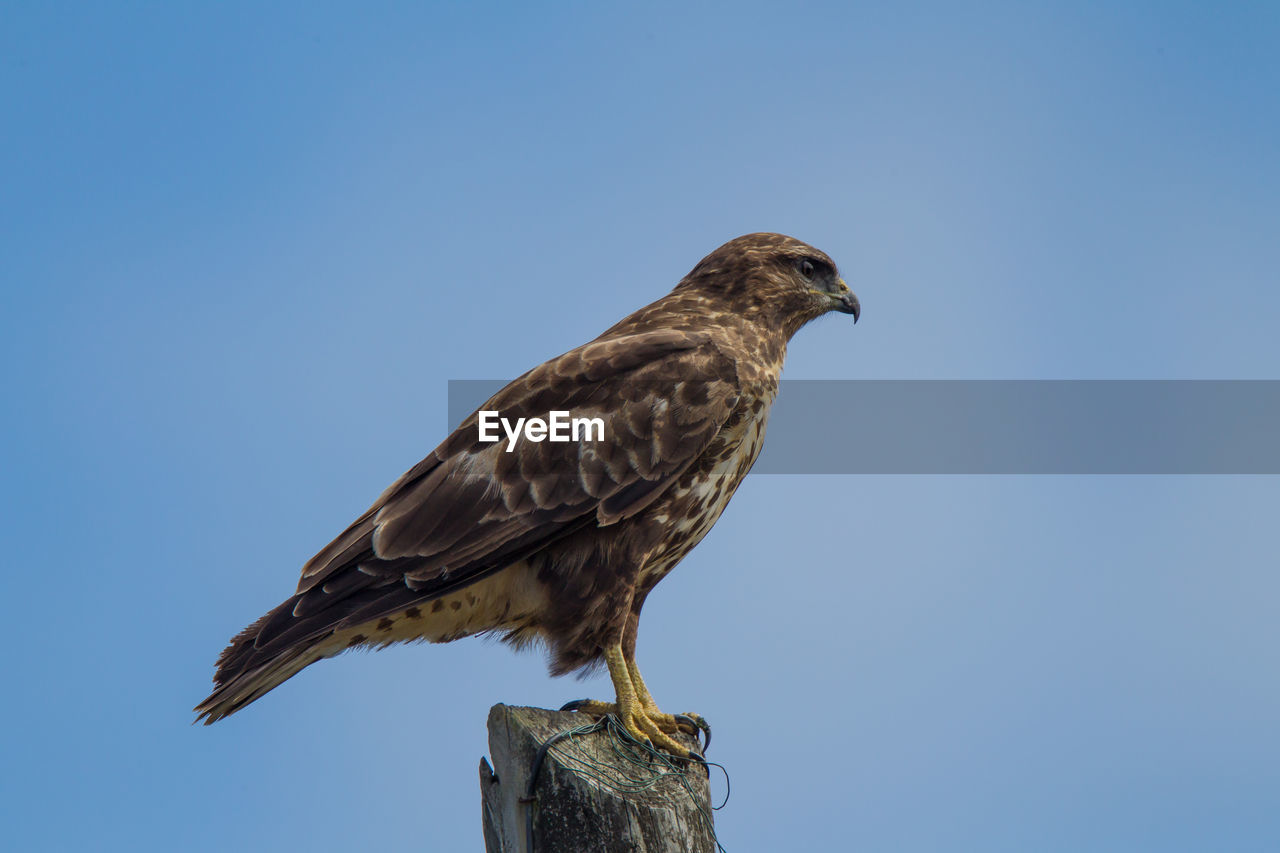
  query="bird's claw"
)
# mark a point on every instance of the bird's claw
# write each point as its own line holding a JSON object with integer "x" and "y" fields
{"x": 693, "y": 724}
{"x": 590, "y": 706}
{"x": 649, "y": 725}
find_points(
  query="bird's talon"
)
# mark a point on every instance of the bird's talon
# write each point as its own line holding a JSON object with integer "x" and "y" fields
{"x": 702, "y": 725}
{"x": 686, "y": 723}
{"x": 661, "y": 740}
{"x": 694, "y": 724}
{"x": 648, "y": 726}
{"x": 593, "y": 707}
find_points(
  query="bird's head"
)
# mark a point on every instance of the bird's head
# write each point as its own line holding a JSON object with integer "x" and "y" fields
{"x": 773, "y": 279}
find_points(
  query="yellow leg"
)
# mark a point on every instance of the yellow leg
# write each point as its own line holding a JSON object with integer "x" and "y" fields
{"x": 632, "y": 712}
{"x": 642, "y": 692}
{"x": 666, "y": 722}
{"x": 635, "y": 706}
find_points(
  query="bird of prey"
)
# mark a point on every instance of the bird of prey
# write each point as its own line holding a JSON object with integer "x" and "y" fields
{"x": 559, "y": 542}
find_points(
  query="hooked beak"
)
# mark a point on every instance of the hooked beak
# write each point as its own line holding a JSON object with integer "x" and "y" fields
{"x": 847, "y": 303}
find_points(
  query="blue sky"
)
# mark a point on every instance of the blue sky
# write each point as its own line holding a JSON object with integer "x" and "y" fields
{"x": 246, "y": 247}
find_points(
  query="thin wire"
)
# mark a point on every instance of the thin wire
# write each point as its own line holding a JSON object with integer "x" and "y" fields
{"x": 651, "y": 767}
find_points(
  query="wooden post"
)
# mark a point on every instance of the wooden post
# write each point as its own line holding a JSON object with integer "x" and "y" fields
{"x": 577, "y": 804}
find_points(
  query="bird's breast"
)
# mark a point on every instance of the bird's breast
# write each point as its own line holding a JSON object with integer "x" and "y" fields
{"x": 687, "y": 512}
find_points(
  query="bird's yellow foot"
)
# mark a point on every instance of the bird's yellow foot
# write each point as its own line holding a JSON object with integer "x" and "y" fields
{"x": 690, "y": 722}
{"x": 654, "y": 727}
{"x": 637, "y": 711}
{"x": 668, "y": 723}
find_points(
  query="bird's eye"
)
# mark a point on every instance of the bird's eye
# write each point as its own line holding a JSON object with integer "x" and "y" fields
{"x": 807, "y": 270}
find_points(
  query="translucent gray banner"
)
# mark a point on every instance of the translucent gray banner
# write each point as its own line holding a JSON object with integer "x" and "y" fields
{"x": 1006, "y": 426}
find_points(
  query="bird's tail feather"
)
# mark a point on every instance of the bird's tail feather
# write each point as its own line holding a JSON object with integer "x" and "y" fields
{"x": 245, "y": 674}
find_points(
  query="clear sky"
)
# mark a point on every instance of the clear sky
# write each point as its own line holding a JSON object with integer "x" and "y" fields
{"x": 245, "y": 247}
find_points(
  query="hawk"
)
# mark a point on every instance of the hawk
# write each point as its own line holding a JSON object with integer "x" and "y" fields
{"x": 560, "y": 542}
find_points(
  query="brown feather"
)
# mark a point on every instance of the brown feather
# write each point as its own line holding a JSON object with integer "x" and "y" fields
{"x": 558, "y": 541}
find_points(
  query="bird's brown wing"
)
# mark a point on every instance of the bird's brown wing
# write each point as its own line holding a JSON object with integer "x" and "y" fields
{"x": 472, "y": 508}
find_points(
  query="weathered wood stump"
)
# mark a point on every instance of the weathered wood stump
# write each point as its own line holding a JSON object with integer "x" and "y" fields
{"x": 593, "y": 792}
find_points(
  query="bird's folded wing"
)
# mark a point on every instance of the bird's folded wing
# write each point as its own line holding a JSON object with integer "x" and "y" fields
{"x": 471, "y": 507}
